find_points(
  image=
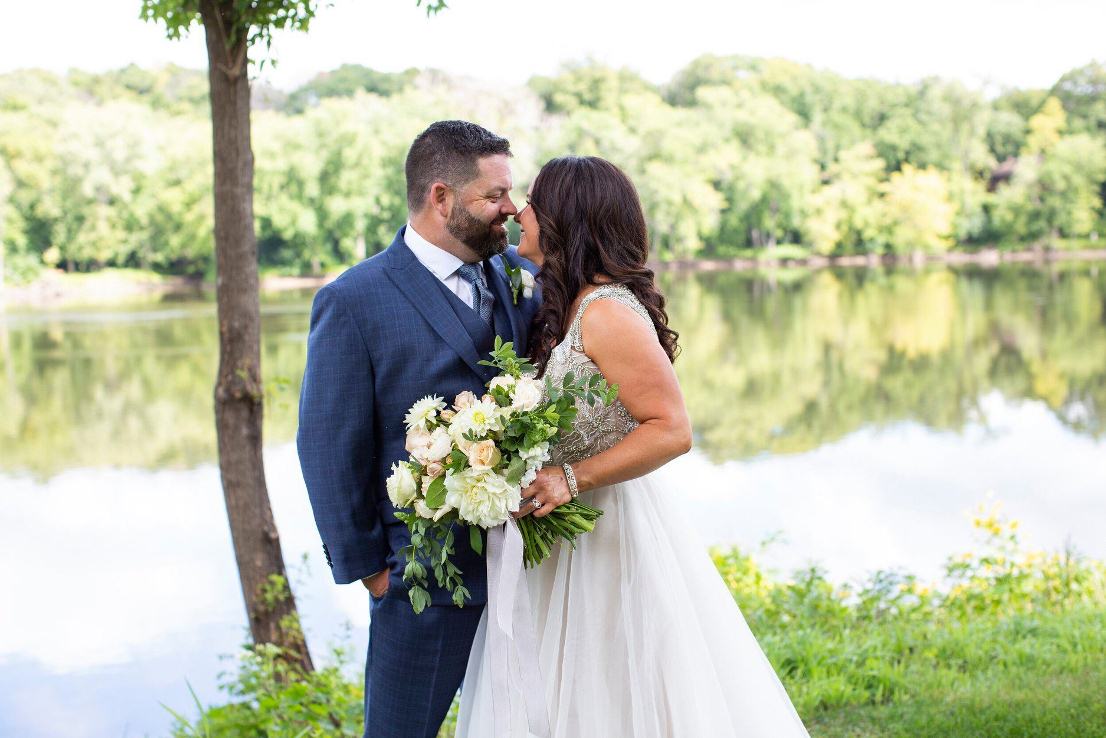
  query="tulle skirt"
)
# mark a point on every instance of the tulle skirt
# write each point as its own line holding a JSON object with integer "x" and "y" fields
{"x": 638, "y": 635}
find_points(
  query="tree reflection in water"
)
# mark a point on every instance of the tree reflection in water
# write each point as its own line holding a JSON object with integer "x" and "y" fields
{"x": 778, "y": 363}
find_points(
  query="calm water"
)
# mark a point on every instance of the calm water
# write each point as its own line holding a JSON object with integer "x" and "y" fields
{"x": 857, "y": 416}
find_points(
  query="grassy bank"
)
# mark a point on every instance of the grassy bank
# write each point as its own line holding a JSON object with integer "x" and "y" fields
{"x": 1010, "y": 643}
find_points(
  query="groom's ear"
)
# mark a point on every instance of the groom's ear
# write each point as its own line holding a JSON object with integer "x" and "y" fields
{"x": 441, "y": 199}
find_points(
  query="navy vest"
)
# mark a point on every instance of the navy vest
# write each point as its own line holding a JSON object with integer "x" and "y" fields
{"x": 482, "y": 334}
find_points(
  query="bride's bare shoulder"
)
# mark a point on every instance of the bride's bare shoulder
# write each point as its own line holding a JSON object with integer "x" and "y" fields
{"x": 615, "y": 320}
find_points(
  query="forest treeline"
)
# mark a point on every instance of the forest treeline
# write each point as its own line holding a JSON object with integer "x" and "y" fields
{"x": 733, "y": 155}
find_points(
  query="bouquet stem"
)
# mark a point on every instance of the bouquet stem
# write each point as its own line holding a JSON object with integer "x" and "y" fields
{"x": 565, "y": 522}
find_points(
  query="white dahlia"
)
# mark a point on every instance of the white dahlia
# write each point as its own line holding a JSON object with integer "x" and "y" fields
{"x": 423, "y": 411}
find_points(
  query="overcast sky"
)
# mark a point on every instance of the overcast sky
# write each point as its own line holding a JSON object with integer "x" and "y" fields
{"x": 985, "y": 43}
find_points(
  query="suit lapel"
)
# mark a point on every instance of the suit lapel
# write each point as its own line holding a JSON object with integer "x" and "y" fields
{"x": 502, "y": 289}
{"x": 420, "y": 287}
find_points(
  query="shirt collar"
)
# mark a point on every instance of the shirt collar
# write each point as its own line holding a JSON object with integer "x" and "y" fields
{"x": 440, "y": 262}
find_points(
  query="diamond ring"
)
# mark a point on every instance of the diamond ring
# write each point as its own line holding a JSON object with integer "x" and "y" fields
{"x": 534, "y": 501}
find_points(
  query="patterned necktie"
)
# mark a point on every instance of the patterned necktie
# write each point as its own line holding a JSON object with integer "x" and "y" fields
{"x": 482, "y": 298}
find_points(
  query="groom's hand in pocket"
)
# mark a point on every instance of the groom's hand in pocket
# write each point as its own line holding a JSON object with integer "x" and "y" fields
{"x": 377, "y": 584}
{"x": 550, "y": 488}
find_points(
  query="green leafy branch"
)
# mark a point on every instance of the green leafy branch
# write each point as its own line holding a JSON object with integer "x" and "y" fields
{"x": 507, "y": 361}
{"x": 432, "y": 545}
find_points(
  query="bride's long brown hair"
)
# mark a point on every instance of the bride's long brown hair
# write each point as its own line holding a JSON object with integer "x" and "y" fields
{"x": 590, "y": 225}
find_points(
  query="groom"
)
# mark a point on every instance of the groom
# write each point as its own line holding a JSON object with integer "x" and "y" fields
{"x": 412, "y": 321}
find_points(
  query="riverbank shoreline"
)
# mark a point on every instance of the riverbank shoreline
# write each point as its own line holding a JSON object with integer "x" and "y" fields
{"x": 982, "y": 257}
{"x": 56, "y": 289}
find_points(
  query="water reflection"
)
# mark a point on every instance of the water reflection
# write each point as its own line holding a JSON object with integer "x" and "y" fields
{"x": 786, "y": 365}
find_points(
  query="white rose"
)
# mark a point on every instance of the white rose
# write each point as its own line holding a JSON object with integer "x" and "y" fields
{"x": 439, "y": 446}
{"x": 464, "y": 400}
{"x": 423, "y": 510}
{"x": 481, "y": 497}
{"x": 527, "y": 394}
{"x": 527, "y": 284}
{"x": 484, "y": 455}
{"x": 401, "y": 485}
{"x": 506, "y": 381}
{"x": 464, "y": 444}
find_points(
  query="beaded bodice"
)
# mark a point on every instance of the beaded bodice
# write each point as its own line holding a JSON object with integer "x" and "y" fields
{"x": 598, "y": 426}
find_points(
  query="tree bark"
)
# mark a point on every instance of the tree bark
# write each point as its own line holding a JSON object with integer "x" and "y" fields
{"x": 239, "y": 393}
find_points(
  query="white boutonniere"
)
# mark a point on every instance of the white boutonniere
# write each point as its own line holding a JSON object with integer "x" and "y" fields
{"x": 520, "y": 280}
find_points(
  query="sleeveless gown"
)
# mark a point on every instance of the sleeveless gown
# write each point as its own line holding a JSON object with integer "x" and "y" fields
{"x": 638, "y": 636}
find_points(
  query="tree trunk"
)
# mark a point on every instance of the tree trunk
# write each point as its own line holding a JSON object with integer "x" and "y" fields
{"x": 239, "y": 391}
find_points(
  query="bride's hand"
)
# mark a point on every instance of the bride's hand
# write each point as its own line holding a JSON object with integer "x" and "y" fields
{"x": 550, "y": 488}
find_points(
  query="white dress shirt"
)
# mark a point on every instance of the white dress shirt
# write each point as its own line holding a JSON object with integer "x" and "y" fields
{"x": 441, "y": 264}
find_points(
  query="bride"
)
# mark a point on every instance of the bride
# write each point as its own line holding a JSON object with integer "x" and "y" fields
{"x": 635, "y": 632}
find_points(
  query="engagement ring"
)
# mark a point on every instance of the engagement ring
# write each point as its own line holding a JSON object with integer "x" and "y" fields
{"x": 535, "y": 503}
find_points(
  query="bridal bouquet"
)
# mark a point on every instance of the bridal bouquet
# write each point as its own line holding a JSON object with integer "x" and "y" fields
{"x": 468, "y": 464}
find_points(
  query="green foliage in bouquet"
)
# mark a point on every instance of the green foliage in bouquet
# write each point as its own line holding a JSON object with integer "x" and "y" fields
{"x": 434, "y": 546}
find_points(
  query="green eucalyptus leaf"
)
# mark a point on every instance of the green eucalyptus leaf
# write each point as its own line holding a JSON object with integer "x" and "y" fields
{"x": 435, "y": 493}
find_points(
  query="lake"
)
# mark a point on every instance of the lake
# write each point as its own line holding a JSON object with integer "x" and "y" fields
{"x": 849, "y": 419}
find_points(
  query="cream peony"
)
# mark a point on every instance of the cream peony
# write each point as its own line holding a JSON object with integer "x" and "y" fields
{"x": 423, "y": 411}
{"x": 440, "y": 445}
{"x": 464, "y": 400}
{"x": 484, "y": 455}
{"x": 402, "y": 487}
{"x": 418, "y": 439}
{"x": 526, "y": 394}
{"x": 481, "y": 497}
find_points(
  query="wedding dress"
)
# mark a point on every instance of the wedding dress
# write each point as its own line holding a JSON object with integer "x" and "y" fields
{"x": 636, "y": 634}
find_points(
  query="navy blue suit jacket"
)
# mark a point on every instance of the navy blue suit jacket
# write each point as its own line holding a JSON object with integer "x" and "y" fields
{"x": 384, "y": 335}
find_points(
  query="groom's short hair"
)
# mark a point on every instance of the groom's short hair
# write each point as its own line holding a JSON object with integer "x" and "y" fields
{"x": 448, "y": 151}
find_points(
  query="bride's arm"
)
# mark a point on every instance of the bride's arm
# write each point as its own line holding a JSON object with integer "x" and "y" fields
{"x": 626, "y": 350}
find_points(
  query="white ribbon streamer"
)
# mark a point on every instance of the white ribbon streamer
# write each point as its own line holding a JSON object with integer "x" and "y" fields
{"x": 511, "y": 645}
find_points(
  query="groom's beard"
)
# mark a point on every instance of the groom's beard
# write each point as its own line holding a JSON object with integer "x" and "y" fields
{"x": 485, "y": 239}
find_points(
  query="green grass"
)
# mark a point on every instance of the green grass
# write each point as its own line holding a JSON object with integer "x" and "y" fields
{"x": 986, "y": 705}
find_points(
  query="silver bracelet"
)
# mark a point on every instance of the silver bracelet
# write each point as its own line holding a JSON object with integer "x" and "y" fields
{"x": 570, "y": 477}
